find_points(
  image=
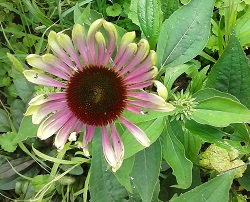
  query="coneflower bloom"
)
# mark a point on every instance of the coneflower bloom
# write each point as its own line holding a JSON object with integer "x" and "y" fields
{"x": 95, "y": 89}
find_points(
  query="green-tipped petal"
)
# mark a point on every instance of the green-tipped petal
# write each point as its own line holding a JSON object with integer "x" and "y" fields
{"x": 94, "y": 27}
{"x": 79, "y": 39}
{"x": 125, "y": 41}
{"x": 101, "y": 47}
{"x": 112, "y": 38}
{"x": 161, "y": 89}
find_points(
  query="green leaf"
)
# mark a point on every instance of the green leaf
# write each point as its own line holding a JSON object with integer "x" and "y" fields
{"x": 172, "y": 74}
{"x": 17, "y": 109}
{"x": 16, "y": 64}
{"x": 206, "y": 132}
{"x": 18, "y": 164}
{"x": 231, "y": 73}
{"x": 220, "y": 112}
{"x": 4, "y": 121}
{"x": 114, "y": 10}
{"x": 24, "y": 88}
{"x": 7, "y": 143}
{"x": 210, "y": 92}
{"x": 244, "y": 181}
{"x": 174, "y": 154}
{"x": 185, "y": 33}
{"x": 148, "y": 115}
{"x": 39, "y": 181}
{"x": 27, "y": 129}
{"x": 152, "y": 129}
{"x": 216, "y": 189}
{"x": 103, "y": 185}
{"x": 241, "y": 132}
{"x": 150, "y": 19}
{"x": 242, "y": 29}
{"x": 169, "y": 7}
{"x": 192, "y": 143}
{"x": 146, "y": 170}
{"x": 124, "y": 171}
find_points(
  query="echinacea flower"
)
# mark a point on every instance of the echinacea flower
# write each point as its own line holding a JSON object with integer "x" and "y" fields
{"x": 95, "y": 89}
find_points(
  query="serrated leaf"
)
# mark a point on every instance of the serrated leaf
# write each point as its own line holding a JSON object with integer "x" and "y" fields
{"x": 146, "y": 170}
{"x": 103, "y": 185}
{"x": 231, "y": 73}
{"x": 216, "y": 189}
{"x": 220, "y": 112}
{"x": 169, "y": 7}
{"x": 132, "y": 15}
{"x": 152, "y": 129}
{"x": 185, "y": 33}
{"x": 150, "y": 19}
{"x": 7, "y": 143}
{"x": 174, "y": 154}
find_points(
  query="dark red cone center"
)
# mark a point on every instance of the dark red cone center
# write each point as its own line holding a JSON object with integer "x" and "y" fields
{"x": 96, "y": 95}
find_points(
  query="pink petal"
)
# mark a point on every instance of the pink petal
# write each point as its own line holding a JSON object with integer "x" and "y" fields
{"x": 63, "y": 134}
{"x": 80, "y": 41}
{"x": 142, "y": 52}
{"x": 118, "y": 147}
{"x": 133, "y": 109}
{"x": 37, "y": 62}
{"x": 41, "y": 79}
{"x": 65, "y": 41}
{"x": 139, "y": 134}
{"x": 43, "y": 98}
{"x": 112, "y": 37}
{"x": 148, "y": 97}
{"x": 107, "y": 148}
{"x": 87, "y": 137}
{"x": 139, "y": 85}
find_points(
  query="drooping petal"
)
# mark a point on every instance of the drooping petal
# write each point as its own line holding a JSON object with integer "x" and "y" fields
{"x": 87, "y": 137}
{"x": 138, "y": 133}
{"x": 118, "y": 147}
{"x": 63, "y": 134}
{"x": 43, "y": 98}
{"x": 149, "y": 105}
{"x": 148, "y": 97}
{"x": 37, "y": 62}
{"x": 79, "y": 39}
{"x": 107, "y": 148}
{"x": 141, "y": 54}
{"x": 53, "y": 123}
{"x": 38, "y": 78}
{"x": 112, "y": 37}
{"x": 67, "y": 45}
{"x": 46, "y": 109}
